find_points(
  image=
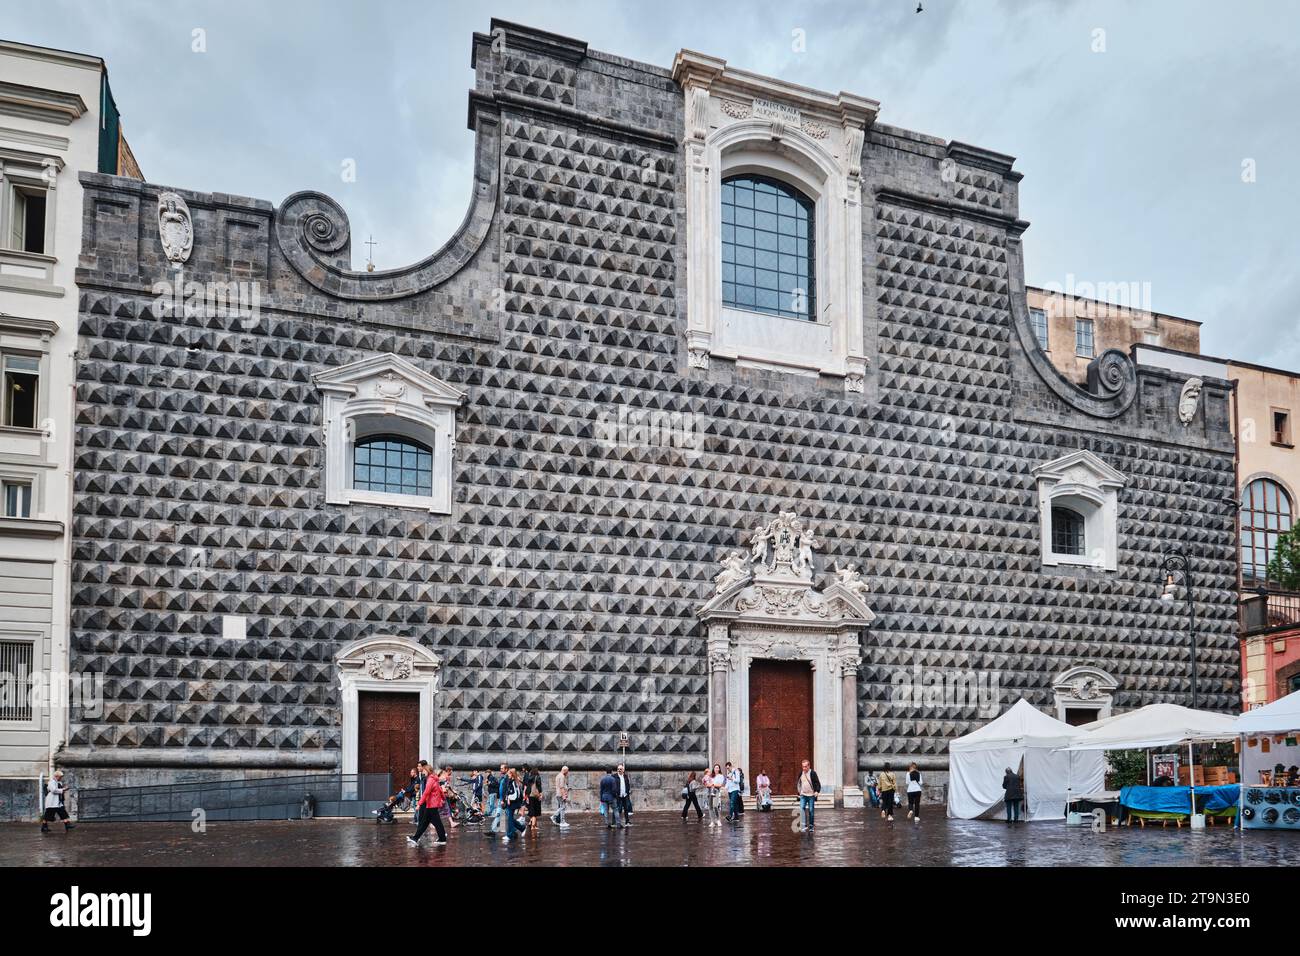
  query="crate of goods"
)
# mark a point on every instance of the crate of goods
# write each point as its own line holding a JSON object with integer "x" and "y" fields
{"x": 1199, "y": 778}
{"x": 1216, "y": 776}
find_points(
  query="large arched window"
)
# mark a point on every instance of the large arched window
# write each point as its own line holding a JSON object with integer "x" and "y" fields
{"x": 393, "y": 465}
{"x": 768, "y": 255}
{"x": 1266, "y": 511}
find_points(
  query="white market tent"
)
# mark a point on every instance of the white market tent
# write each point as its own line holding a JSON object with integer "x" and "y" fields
{"x": 977, "y": 762}
{"x": 1280, "y": 721}
{"x": 1275, "y": 718}
{"x": 1156, "y": 725}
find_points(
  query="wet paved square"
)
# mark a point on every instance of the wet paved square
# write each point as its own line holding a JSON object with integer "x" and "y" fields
{"x": 843, "y": 838}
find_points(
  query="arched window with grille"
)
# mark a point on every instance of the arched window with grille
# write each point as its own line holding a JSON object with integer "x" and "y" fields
{"x": 1266, "y": 512}
{"x": 768, "y": 255}
{"x": 1067, "y": 531}
{"x": 392, "y": 465}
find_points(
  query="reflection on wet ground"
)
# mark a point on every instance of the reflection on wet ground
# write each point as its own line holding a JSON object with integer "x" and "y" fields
{"x": 843, "y": 838}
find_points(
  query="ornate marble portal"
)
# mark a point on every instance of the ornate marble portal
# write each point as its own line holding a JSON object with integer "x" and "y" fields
{"x": 767, "y": 607}
{"x": 386, "y": 664}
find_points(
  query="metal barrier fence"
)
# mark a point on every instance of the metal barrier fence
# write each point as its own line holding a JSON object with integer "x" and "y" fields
{"x": 256, "y": 798}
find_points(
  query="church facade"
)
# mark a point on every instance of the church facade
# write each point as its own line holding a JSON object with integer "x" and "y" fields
{"x": 716, "y": 432}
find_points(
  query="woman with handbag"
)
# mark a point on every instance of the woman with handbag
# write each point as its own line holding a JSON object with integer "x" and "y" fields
{"x": 690, "y": 799}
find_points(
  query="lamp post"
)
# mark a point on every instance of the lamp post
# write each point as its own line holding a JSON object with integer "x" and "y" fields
{"x": 1177, "y": 568}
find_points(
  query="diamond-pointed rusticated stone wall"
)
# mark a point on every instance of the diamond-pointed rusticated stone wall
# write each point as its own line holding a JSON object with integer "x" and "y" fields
{"x": 561, "y": 594}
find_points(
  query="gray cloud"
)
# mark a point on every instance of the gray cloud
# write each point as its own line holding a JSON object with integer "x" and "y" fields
{"x": 1132, "y": 157}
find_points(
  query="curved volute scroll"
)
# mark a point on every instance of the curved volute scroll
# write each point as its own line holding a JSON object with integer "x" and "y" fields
{"x": 313, "y": 233}
{"x": 1112, "y": 379}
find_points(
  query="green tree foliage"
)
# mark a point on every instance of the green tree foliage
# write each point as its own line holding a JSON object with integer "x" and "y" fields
{"x": 1127, "y": 767}
{"x": 1284, "y": 569}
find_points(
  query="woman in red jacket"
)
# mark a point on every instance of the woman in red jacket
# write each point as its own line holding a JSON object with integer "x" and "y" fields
{"x": 429, "y": 808}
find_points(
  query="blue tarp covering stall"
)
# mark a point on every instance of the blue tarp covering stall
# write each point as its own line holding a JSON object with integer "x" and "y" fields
{"x": 1178, "y": 799}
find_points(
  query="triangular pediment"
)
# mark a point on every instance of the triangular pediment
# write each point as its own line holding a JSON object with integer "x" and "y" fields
{"x": 1083, "y": 468}
{"x": 393, "y": 369}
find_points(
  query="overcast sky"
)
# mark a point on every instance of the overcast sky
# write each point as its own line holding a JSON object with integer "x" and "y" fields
{"x": 1135, "y": 125}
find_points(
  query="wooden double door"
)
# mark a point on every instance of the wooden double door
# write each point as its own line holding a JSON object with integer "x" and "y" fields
{"x": 388, "y": 734}
{"x": 780, "y": 722}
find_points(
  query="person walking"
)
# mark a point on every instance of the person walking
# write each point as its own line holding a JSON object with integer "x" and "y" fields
{"x": 741, "y": 793}
{"x": 873, "y": 789}
{"x": 609, "y": 797}
{"x": 717, "y": 786}
{"x": 914, "y": 789}
{"x": 55, "y": 807}
{"x": 512, "y": 798}
{"x": 808, "y": 788}
{"x": 733, "y": 793}
{"x": 421, "y": 778}
{"x": 888, "y": 793}
{"x": 561, "y": 798}
{"x": 429, "y": 809}
{"x": 535, "y": 801}
{"x": 624, "y": 795}
{"x": 491, "y": 787}
{"x": 476, "y": 782}
{"x": 764, "y": 784}
{"x": 690, "y": 799}
{"x": 1014, "y": 793}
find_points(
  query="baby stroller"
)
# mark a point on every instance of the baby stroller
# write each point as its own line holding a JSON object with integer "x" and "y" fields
{"x": 463, "y": 809}
{"x": 401, "y": 800}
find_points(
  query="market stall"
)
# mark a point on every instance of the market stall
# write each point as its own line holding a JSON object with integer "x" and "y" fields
{"x": 1162, "y": 726}
{"x": 1027, "y": 741}
{"x": 1270, "y": 765}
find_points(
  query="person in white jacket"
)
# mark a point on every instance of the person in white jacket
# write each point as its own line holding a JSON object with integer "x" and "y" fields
{"x": 54, "y": 805}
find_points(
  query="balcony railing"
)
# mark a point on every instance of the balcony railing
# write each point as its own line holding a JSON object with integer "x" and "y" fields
{"x": 1267, "y": 609}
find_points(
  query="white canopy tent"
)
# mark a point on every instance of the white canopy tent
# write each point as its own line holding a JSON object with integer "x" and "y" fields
{"x": 1274, "y": 726}
{"x": 1024, "y": 734}
{"x": 1156, "y": 725}
{"x": 1275, "y": 718}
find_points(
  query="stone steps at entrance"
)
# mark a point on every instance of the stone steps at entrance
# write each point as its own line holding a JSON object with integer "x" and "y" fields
{"x": 779, "y": 802}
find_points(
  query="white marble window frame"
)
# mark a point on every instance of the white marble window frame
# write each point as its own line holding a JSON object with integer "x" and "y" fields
{"x": 829, "y": 343}
{"x": 1099, "y": 508}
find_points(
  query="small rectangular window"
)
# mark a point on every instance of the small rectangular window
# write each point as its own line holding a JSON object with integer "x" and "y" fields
{"x": 1150, "y": 338}
{"x": 17, "y": 497}
{"x": 18, "y": 401}
{"x": 1038, "y": 319}
{"x": 1281, "y": 426}
{"x": 16, "y": 659}
{"x": 27, "y": 219}
{"x": 1083, "y": 343}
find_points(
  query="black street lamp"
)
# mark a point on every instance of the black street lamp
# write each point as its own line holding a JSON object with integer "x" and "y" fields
{"x": 1178, "y": 567}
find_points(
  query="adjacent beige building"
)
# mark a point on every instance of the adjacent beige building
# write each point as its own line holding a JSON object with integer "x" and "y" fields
{"x": 57, "y": 119}
{"x": 1073, "y": 329}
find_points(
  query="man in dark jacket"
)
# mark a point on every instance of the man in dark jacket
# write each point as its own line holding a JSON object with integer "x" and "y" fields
{"x": 808, "y": 787}
{"x": 1015, "y": 792}
{"x": 609, "y": 797}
